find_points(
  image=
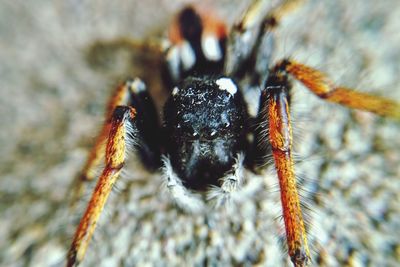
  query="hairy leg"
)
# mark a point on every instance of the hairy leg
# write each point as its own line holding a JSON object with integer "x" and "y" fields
{"x": 122, "y": 127}
{"x": 133, "y": 93}
{"x": 275, "y": 116}
{"x": 319, "y": 83}
{"x": 251, "y": 43}
{"x": 133, "y": 125}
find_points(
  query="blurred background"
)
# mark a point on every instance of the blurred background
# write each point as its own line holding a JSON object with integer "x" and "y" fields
{"x": 55, "y": 78}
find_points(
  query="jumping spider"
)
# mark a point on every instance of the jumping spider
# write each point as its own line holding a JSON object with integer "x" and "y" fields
{"x": 208, "y": 134}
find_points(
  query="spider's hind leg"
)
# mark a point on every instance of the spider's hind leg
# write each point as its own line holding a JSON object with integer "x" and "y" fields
{"x": 250, "y": 44}
{"x": 250, "y": 48}
{"x": 196, "y": 46}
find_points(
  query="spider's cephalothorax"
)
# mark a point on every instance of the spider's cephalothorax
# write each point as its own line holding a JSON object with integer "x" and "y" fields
{"x": 208, "y": 131}
{"x": 206, "y": 123}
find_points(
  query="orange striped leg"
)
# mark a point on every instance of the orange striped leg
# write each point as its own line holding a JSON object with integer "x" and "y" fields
{"x": 280, "y": 137}
{"x": 115, "y": 158}
{"x": 323, "y": 87}
{"x": 120, "y": 97}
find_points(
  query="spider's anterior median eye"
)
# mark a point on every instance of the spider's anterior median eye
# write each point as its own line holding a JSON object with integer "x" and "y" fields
{"x": 187, "y": 131}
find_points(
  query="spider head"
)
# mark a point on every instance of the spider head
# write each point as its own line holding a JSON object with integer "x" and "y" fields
{"x": 205, "y": 119}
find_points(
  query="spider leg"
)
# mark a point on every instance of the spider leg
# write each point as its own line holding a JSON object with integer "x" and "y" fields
{"x": 120, "y": 97}
{"x": 96, "y": 154}
{"x": 250, "y": 48}
{"x": 275, "y": 111}
{"x": 196, "y": 45}
{"x": 319, "y": 83}
{"x": 134, "y": 93}
{"x": 122, "y": 128}
{"x": 251, "y": 39}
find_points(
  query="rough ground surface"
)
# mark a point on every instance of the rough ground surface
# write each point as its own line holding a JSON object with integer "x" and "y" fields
{"x": 51, "y": 104}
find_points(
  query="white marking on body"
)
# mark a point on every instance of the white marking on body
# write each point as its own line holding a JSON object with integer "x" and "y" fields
{"x": 175, "y": 91}
{"x": 182, "y": 197}
{"x": 165, "y": 44}
{"x": 211, "y": 49}
{"x": 173, "y": 62}
{"x": 137, "y": 86}
{"x": 252, "y": 96}
{"x": 187, "y": 55}
{"x": 227, "y": 84}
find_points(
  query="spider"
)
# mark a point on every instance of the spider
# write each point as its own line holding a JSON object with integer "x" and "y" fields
{"x": 209, "y": 134}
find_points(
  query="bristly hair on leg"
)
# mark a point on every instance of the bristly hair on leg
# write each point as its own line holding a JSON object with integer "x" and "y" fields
{"x": 230, "y": 186}
{"x": 182, "y": 197}
{"x": 131, "y": 137}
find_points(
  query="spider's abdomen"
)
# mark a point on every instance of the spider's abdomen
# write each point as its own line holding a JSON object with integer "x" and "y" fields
{"x": 205, "y": 121}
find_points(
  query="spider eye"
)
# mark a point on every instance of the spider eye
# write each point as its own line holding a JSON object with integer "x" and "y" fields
{"x": 188, "y": 131}
{"x": 212, "y": 134}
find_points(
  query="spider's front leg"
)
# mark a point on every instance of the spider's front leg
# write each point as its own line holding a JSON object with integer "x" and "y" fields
{"x": 275, "y": 111}
{"x": 133, "y": 124}
{"x": 115, "y": 158}
{"x": 132, "y": 93}
{"x": 96, "y": 154}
